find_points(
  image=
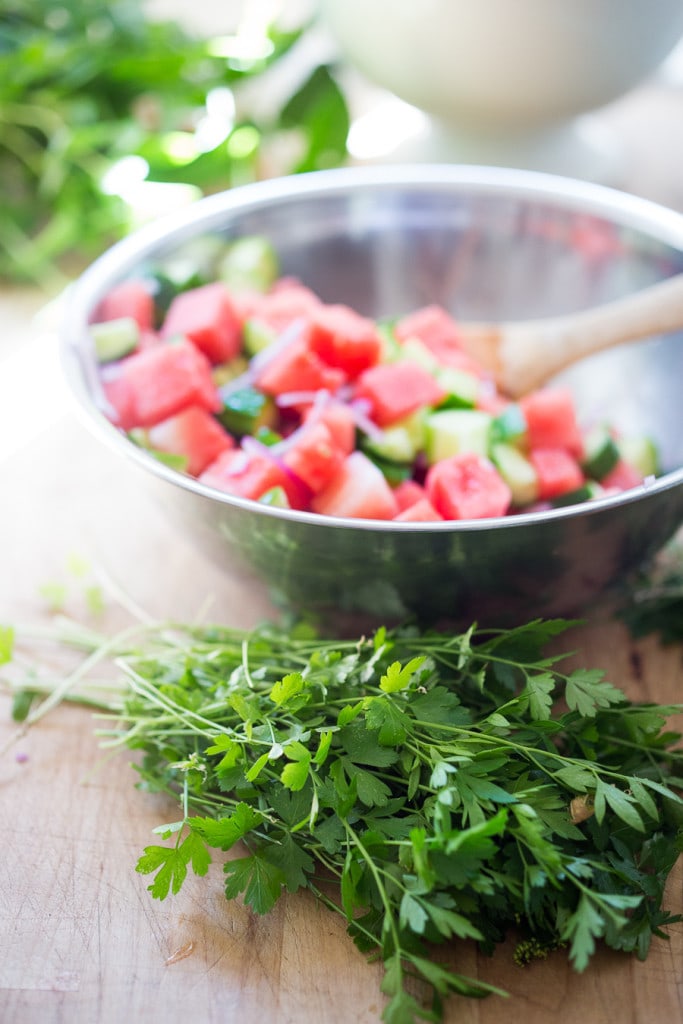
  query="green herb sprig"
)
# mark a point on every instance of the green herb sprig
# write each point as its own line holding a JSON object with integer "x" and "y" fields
{"x": 653, "y": 602}
{"x": 429, "y": 787}
{"x": 88, "y": 83}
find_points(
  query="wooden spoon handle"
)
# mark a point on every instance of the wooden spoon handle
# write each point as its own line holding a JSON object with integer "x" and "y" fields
{"x": 532, "y": 351}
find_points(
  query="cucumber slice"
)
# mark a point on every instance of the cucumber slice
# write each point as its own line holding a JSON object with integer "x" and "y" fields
{"x": 517, "y": 471}
{"x": 114, "y": 339}
{"x": 394, "y": 472}
{"x": 601, "y": 453}
{"x": 452, "y": 431}
{"x": 276, "y": 497}
{"x": 223, "y": 373}
{"x": 247, "y": 409}
{"x": 256, "y": 336}
{"x": 417, "y": 352}
{"x": 391, "y": 348}
{"x": 591, "y": 489}
{"x": 462, "y": 388}
{"x": 509, "y": 426}
{"x": 400, "y": 442}
{"x": 250, "y": 264}
{"x": 640, "y": 452}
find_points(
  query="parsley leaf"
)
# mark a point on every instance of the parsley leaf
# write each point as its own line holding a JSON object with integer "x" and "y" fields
{"x": 453, "y": 785}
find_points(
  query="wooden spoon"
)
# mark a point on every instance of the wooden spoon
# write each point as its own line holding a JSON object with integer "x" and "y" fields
{"x": 522, "y": 355}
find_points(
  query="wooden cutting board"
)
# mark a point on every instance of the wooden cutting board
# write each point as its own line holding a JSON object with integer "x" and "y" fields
{"x": 81, "y": 940}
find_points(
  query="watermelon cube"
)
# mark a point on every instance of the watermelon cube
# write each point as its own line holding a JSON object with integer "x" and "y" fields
{"x": 155, "y": 383}
{"x": 358, "y": 490}
{"x": 467, "y": 486}
{"x": 557, "y": 472}
{"x": 394, "y": 390}
{"x": 128, "y": 299}
{"x": 551, "y": 420}
{"x": 207, "y": 316}
{"x": 296, "y": 367}
{"x": 312, "y": 455}
{"x": 344, "y": 338}
{"x": 252, "y": 474}
{"x": 421, "y": 511}
{"x": 193, "y": 433}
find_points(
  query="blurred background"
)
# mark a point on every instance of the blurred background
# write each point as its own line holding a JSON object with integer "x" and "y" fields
{"x": 113, "y": 112}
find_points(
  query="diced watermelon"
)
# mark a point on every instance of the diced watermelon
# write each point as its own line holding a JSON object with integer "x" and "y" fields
{"x": 439, "y": 332}
{"x": 312, "y": 455}
{"x": 358, "y": 490}
{"x": 339, "y": 420}
{"x": 130, "y": 298}
{"x": 344, "y": 338}
{"x": 207, "y": 316}
{"x": 557, "y": 471}
{"x": 148, "y": 339}
{"x": 408, "y": 493}
{"x": 149, "y": 386}
{"x": 467, "y": 486}
{"x": 421, "y": 511}
{"x": 394, "y": 390}
{"x": 551, "y": 421}
{"x": 622, "y": 477}
{"x": 251, "y": 474}
{"x": 287, "y": 301}
{"x": 297, "y": 368}
{"x": 433, "y": 325}
{"x": 193, "y": 433}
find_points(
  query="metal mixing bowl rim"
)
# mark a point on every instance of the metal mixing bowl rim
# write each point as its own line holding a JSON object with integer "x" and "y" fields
{"x": 208, "y": 213}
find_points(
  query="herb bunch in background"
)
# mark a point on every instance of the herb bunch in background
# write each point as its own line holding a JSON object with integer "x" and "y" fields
{"x": 85, "y": 84}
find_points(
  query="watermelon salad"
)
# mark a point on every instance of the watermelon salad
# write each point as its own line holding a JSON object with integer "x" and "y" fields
{"x": 252, "y": 384}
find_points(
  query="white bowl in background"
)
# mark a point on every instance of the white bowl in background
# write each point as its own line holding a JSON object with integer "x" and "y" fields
{"x": 508, "y": 81}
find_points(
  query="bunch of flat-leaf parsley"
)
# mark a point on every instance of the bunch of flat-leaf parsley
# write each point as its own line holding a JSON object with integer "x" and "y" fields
{"x": 456, "y": 786}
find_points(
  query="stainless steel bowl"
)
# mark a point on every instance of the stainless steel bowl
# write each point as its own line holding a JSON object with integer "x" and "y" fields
{"x": 487, "y": 244}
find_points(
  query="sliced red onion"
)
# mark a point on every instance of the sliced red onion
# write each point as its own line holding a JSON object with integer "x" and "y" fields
{"x": 290, "y": 334}
{"x": 243, "y": 380}
{"x": 261, "y": 359}
{"x": 252, "y": 446}
{"x": 288, "y": 399}
{"x": 360, "y": 410}
{"x": 274, "y": 452}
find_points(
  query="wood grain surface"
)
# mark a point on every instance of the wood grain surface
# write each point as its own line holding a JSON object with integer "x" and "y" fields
{"x": 81, "y": 940}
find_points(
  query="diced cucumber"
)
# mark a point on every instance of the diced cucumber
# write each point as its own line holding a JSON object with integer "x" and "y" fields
{"x": 640, "y": 452}
{"x": 417, "y": 352}
{"x": 267, "y": 436}
{"x": 276, "y": 497}
{"x": 140, "y": 437}
{"x": 401, "y": 442}
{"x": 590, "y": 489}
{"x": 391, "y": 349}
{"x": 250, "y": 263}
{"x": 195, "y": 263}
{"x": 164, "y": 291}
{"x": 225, "y": 372}
{"x": 517, "y": 471}
{"x": 114, "y": 339}
{"x": 509, "y": 426}
{"x": 601, "y": 453}
{"x": 462, "y": 387}
{"x": 247, "y": 409}
{"x": 394, "y": 472}
{"x": 452, "y": 431}
{"x": 256, "y": 336}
